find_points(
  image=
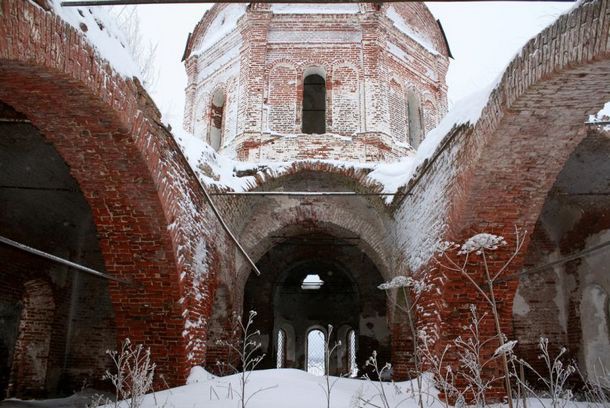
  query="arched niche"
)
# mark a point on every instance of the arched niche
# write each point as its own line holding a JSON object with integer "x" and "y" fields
{"x": 314, "y": 103}
{"x": 217, "y": 116}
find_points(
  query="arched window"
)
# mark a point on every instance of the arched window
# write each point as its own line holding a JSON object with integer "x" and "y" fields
{"x": 281, "y": 349}
{"x": 351, "y": 353}
{"x": 415, "y": 119}
{"x": 216, "y": 119}
{"x": 316, "y": 357}
{"x": 314, "y": 104}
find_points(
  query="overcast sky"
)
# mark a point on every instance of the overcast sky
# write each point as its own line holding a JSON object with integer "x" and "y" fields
{"x": 483, "y": 36}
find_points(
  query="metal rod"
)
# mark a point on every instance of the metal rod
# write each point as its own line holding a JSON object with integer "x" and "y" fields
{"x": 62, "y": 261}
{"x": 601, "y": 122}
{"x": 561, "y": 261}
{"x": 300, "y": 193}
{"x": 87, "y": 3}
{"x": 11, "y": 120}
{"x": 189, "y": 169}
{"x": 63, "y": 189}
{"x": 226, "y": 227}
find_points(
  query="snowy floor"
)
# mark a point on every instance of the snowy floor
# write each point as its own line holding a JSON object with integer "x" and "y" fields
{"x": 283, "y": 388}
{"x": 78, "y": 400}
{"x": 291, "y": 389}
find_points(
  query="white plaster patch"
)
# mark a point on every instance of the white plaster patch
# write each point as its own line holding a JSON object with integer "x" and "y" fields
{"x": 593, "y": 309}
{"x": 314, "y": 37}
{"x": 520, "y": 305}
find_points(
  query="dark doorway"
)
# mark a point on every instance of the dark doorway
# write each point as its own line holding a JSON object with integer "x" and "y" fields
{"x": 311, "y": 281}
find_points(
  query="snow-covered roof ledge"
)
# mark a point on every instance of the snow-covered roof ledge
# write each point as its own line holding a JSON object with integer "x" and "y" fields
{"x": 225, "y": 174}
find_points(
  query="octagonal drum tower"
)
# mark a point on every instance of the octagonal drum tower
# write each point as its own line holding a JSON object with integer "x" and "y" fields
{"x": 280, "y": 82}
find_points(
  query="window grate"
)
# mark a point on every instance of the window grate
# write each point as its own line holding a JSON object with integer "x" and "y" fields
{"x": 351, "y": 353}
{"x": 281, "y": 347}
{"x": 316, "y": 359}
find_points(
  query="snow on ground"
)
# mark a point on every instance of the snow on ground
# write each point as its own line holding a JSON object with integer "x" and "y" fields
{"x": 284, "y": 388}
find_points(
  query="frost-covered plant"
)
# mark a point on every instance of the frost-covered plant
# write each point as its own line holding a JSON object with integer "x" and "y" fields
{"x": 443, "y": 374}
{"x": 596, "y": 387}
{"x": 407, "y": 285}
{"x": 474, "y": 361}
{"x": 380, "y": 373}
{"x": 328, "y": 352}
{"x": 556, "y": 375}
{"x": 133, "y": 378}
{"x": 481, "y": 245}
{"x": 248, "y": 353}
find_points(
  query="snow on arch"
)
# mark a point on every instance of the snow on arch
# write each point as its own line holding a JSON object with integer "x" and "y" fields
{"x": 102, "y": 33}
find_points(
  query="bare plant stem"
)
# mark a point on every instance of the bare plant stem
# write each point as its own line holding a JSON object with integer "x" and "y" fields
{"x": 415, "y": 348}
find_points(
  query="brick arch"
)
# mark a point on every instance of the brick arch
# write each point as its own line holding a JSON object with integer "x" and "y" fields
{"x": 533, "y": 121}
{"x": 257, "y": 240}
{"x": 239, "y": 212}
{"x": 506, "y": 163}
{"x": 130, "y": 170}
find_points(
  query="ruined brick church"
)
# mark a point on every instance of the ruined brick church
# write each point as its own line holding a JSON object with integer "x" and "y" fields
{"x": 285, "y": 213}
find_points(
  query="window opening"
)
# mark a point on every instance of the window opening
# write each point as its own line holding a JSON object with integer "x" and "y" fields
{"x": 312, "y": 282}
{"x": 351, "y": 353}
{"x": 316, "y": 361}
{"x": 415, "y": 119}
{"x": 281, "y": 349}
{"x": 314, "y": 105}
{"x": 216, "y": 119}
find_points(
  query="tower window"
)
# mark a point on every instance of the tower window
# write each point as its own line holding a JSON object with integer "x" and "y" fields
{"x": 314, "y": 104}
{"x": 316, "y": 358}
{"x": 312, "y": 282}
{"x": 415, "y": 119}
{"x": 216, "y": 119}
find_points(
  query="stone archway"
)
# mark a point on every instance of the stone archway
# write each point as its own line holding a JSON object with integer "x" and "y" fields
{"x": 287, "y": 297}
{"x": 145, "y": 201}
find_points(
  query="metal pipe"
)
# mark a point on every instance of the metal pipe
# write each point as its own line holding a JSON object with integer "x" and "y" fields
{"x": 301, "y": 193}
{"x": 62, "y": 189}
{"x": 62, "y": 261}
{"x": 561, "y": 261}
{"x": 189, "y": 169}
{"x": 11, "y": 120}
{"x": 226, "y": 227}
